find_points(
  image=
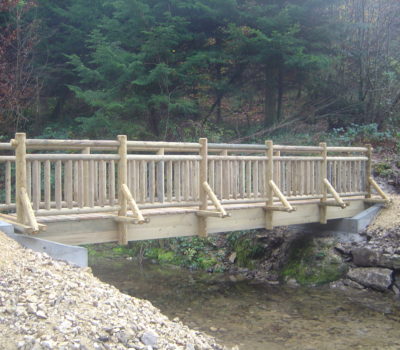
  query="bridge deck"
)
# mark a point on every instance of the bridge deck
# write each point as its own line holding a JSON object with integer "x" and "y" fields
{"x": 93, "y": 191}
{"x": 180, "y": 222}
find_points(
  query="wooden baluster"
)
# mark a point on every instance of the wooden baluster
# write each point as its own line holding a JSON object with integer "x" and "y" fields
{"x": 8, "y": 182}
{"x": 29, "y": 178}
{"x": 76, "y": 181}
{"x": 211, "y": 176}
{"x": 102, "y": 182}
{"x": 169, "y": 181}
{"x": 145, "y": 177}
{"x": 86, "y": 178}
{"x": 234, "y": 175}
{"x": 289, "y": 177}
{"x": 255, "y": 179}
{"x": 219, "y": 180}
{"x": 248, "y": 179}
{"x": 111, "y": 182}
{"x": 196, "y": 178}
{"x": 81, "y": 184}
{"x": 160, "y": 178}
{"x": 92, "y": 174}
{"x": 36, "y": 185}
{"x": 241, "y": 178}
{"x": 225, "y": 183}
{"x": 152, "y": 181}
{"x": 58, "y": 185}
{"x": 303, "y": 178}
{"x": 67, "y": 183}
{"x": 177, "y": 180}
{"x": 96, "y": 182}
{"x": 187, "y": 180}
{"x": 132, "y": 179}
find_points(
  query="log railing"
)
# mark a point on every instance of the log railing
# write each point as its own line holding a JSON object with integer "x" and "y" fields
{"x": 85, "y": 176}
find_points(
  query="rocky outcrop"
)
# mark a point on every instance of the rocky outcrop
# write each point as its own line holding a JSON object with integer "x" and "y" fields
{"x": 375, "y": 262}
{"x": 372, "y": 277}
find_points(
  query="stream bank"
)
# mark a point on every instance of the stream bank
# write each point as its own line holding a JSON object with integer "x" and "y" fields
{"x": 49, "y": 304}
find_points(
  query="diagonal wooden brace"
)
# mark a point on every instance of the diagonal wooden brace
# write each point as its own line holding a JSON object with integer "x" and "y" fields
{"x": 28, "y": 211}
{"x": 215, "y": 201}
{"x": 286, "y": 205}
{"x": 335, "y": 195}
{"x": 384, "y": 197}
{"x": 132, "y": 205}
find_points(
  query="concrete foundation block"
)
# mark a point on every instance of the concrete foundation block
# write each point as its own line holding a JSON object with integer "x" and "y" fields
{"x": 358, "y": 222}
{"x": 72, "y": 254}
{"x": 6, "y": 227}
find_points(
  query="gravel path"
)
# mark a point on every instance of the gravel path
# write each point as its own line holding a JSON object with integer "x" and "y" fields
{"x": 48, "y": 304}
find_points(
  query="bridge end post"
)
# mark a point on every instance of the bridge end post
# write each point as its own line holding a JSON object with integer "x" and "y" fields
{"x": 269, "y": 176}
{"x": 369, "y": 172}
{"x": 122, "y": 180}
{"x": 324, "y": 173}
{"x": 202, "y": 220}
{"x": 20, "y": 174}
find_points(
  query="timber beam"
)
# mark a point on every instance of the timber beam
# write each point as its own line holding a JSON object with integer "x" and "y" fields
{"x": 211, "y": 213}
{"x": 130, "y": 220}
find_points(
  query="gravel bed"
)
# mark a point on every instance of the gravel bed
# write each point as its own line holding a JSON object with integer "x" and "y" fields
{"x": 49, "y": 304}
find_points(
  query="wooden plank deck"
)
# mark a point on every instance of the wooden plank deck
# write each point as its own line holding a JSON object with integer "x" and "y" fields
{"x": 180, "y": 222}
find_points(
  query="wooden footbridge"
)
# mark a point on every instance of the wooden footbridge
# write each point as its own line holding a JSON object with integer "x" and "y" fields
{"x": 93, "y": 191}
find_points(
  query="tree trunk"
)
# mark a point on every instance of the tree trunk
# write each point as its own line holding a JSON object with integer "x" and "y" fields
{"x": 280, "y": 92}
{"x": 269, "y": 98}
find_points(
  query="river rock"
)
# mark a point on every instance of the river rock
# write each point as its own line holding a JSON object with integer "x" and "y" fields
{"x": 372, "y": 277}
{"x": 373, "y": 256}
{"x": 365, "y": 257}
{"x": 149, "y": 338}
{"x": 391, "y": 261}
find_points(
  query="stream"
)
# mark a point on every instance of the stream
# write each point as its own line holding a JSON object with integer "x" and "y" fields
{"x": 258, "y": 316}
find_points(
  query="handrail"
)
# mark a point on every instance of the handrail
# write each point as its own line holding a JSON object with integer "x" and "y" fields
{"x": 172, "y": 146}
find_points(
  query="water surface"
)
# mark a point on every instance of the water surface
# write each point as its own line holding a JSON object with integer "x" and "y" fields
{"x": 259, "y": 316}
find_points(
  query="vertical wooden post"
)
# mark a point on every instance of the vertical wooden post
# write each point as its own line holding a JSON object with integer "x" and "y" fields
{"x": 269, "y": 175}
{"x": 202, "y": 192}
{"x": 324, "y": 171}
{"x": 122, "y": 180}
{"x": 368, "y": 172}
{"x": 20, "y": 174}
{"x": 160, "y": 177}
{"x": 224, "y": 176}
{"x": 86, "y": 178}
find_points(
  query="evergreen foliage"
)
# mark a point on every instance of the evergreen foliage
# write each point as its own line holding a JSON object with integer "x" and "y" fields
{"x": 176, "y": 69}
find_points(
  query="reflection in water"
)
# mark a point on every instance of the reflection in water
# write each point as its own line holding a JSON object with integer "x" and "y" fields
{"x": 259, "y": 316}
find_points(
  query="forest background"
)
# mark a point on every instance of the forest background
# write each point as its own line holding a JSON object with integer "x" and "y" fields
{"x": 230, "y": 70}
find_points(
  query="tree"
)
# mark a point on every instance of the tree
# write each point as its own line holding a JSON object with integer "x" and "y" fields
{"x": 19, "y": 83}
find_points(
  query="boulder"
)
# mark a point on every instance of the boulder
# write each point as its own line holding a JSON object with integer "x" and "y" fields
{"x": 391, "y": 261}
{"x": 368, "y": 257}
{"x": 372, "y": 277}
{"x": 365, "y": 257}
